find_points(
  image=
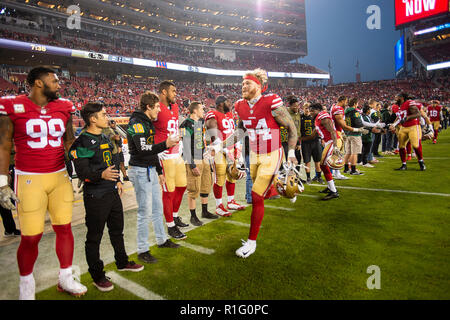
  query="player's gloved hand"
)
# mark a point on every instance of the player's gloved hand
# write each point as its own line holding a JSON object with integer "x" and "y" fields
{"x": 6, "y": 194}
{"x": 291, "y": 157}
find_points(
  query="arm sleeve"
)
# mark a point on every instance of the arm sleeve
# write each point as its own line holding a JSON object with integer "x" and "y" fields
{"x": 148, "y": 149}
{"x": 368, "y": 124}
{"x": 84, "y": 171}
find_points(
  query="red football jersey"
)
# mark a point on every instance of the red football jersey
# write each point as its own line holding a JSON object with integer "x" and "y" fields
{"x": 165, "y": 125}
{"x": 404, "y": 112}
{"x": 263, "y": 130}
{"x": 434, "y": 113}
{"x": 324, "y": 134}
{"x": 337, "y": 110}
{"x": 38, "y": 132}
{"x": 225, "y": 123}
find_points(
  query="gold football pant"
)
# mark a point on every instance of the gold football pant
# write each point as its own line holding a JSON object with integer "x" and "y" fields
{"x": 412, "y": 134}
{"x": 39, "y": 193}
{"x": 263, "y": 169}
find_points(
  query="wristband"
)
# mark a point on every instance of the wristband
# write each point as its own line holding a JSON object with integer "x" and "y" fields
{"x": 291, "y": 153}
{"x": 3, "y": 180}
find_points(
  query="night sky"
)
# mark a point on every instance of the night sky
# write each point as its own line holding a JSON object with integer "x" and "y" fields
{"x": 337, "y": 31}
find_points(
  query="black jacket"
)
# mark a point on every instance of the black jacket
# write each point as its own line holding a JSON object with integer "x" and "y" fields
{"x": 141, "y": 142}
{"x": 91, "y": 155}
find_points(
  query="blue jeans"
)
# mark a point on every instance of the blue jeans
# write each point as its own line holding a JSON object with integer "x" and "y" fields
{"x": 248, "y": 182}
{"x": 149, "y": 197}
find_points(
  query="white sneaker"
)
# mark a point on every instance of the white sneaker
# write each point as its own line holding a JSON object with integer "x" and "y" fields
{"x": 368, "y": 165}
{"x": 341, "y": 177}
{"x": 248, "y": 248}
{"x": 27, "y": 288}
{"x": 72, "y": 286}
{"x": 233, "y": 205}
{"x": 221, "y": 211}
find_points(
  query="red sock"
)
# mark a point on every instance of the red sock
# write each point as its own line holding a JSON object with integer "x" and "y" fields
{"x": 230, "y": 188}
{"x": 419, "y": 153}
{"x": 408, "y": 148}
{"x": 179, "y": 192}
{"x": 402, "y": 152}
{"x": 217, "y": 191}
{"x": 435, "y": 134}
{"x": 326, "y": 172}
{"x": 271, "y": 192}
{"x": 27, "y": 253}
{"x": 64, "y": 244}
{"x": 168, "y": 205}
{"x": 257, "y": 215}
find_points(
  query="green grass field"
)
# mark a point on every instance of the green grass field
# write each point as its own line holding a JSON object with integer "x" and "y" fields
{"x": 320, "y": 250}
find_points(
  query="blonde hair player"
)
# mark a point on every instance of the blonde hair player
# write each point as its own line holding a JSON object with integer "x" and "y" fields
{"x": 261, "y": 116}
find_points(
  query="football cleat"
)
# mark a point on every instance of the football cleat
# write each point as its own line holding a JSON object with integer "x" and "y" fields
{"x": 233, "y": 205}
{"x": 221, "y": 211}
{"x": 402, "y": 168}
{"x": 27, "y": 289}
{"x": 288, "y": 182}
{"x": 72, "y": 286}
{"x": 248, "y": 248}
{"x": 409, "y": 158}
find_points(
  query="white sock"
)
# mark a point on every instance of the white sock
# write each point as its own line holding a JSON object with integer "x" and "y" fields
{"x": 65, "y": 272}
{"x": 175, "y": 214}
{"x": 251, "y": 242}
{"x": 230, "y": 198}
{"x": 331, "y": 186}
{"x": 27, "y": 278}
{"x": 170, "y": 224}
{"x": 218, "y": 202}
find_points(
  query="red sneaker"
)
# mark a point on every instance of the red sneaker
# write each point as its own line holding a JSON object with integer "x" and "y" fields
{"x": 409, "y": 158}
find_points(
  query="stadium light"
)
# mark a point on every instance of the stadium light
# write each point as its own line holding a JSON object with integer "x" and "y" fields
{"x": 437, "y": 66}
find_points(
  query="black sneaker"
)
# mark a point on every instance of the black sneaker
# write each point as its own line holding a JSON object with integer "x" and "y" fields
{"x": 326, "y": 190}
{"x": 175, "y": 233}
{"x": 196, "y": 222}
{"x": 209, "y": 215}
{"x": 169, "y": 244}
{"x": 422, "y": 166}
{"x": 12, "y": 234}
{"x": 331, "y": 195}
{"x": 402, "y": 168}
{"x": 104, "y": 284}
{"x": 320, "y": 180}
{"x": 308, "y": 180}
{"x": 179, "y": 223}
{"x": 147, "y": 257}
{"x": 357, "y": 173}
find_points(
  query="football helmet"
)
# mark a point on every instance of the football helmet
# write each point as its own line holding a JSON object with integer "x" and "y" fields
{"x": 427, "y": 133}
{"x": 288, "y": 182}
{"x": 235, "y": 170}
{"x": 336, "y": 160}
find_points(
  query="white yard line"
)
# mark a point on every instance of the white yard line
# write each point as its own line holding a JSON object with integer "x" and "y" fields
{"x": 389, "y": 190}
{"x": 237, "y": 223}
{"x": 196, "y": 248}
{"x": 133, "y": 287}
{"x": 279, "y": 208}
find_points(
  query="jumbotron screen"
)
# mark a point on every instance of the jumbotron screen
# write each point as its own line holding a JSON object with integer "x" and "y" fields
{"x": 407, "y": 11}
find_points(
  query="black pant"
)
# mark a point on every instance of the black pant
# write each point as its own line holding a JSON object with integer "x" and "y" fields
{"x": 376, "y": 143}
{"x": 365, "y": 151}
{"x": 100, "y": 211}
{"x": 7, "y": 217}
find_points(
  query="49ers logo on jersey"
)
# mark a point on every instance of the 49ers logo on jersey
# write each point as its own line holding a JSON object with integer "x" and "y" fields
{"x": 46, "y": 133}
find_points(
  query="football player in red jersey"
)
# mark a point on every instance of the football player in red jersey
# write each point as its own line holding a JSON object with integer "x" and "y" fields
{"x": 434, "y": 112}
{"x": 326, "y": 130}
{"x": 337, "y": 114}
{"x": 261, "y": 115}
{"x": 409, "y": 117}
{"x": 220, "y": 125}
{"x": 41, "y": 126}
{"x": 172, "y": 163}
